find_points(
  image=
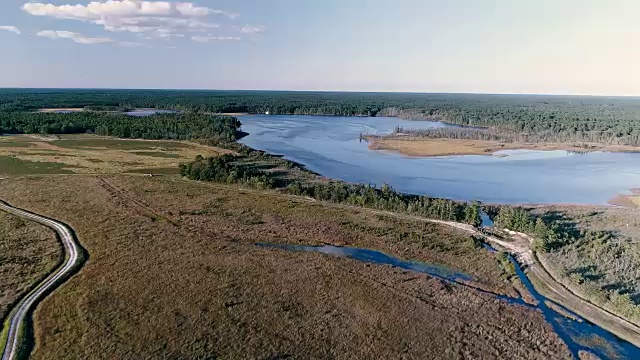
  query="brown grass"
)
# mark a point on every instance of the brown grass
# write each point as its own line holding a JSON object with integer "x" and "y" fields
{"x": 444, "y": 147}
{"x": 28, "y": 253}
{"x": 173, "y": 273}
{"x": 88, "y": 154}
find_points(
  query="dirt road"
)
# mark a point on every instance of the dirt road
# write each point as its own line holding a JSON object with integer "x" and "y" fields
{"x": 11, "y": 347}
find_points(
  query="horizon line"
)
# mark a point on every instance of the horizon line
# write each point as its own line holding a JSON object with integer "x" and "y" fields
{"x": 327, "y": 91}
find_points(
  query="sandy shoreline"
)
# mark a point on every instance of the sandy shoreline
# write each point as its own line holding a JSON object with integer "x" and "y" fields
{"x": 446, "y": 147}
{"x": 627, "y": 200}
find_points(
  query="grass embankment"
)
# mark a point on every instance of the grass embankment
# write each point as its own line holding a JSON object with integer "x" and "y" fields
{"x": 89, "y": 154}
{"x": 174, "y": 272}
{"x": 417, "y": 146}
{"x": 28, "y": 253}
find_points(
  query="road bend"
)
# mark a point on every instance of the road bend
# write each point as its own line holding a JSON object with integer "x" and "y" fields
{"x": 17, "y": 317}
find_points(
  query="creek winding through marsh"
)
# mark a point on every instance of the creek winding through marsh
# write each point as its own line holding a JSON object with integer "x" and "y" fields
{"x": 576, "y": 333}
{"x": 331, "y": 147}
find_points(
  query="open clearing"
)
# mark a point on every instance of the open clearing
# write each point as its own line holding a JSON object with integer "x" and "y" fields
{"x": 88, "y": 154}
{"x": 444, "y": 147}
{"x": 178, "y": 259}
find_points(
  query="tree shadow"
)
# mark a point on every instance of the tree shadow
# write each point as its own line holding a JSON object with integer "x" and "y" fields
{"x": 570, "y": 231}
{"x": 589, "y": 272}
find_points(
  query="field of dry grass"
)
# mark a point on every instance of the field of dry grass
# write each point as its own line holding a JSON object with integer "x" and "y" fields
{"x": 173, "y": 272}
{"x": 89, "y": 154}
{"x": 444, "y": 147}
{"x": 28, "y": 252}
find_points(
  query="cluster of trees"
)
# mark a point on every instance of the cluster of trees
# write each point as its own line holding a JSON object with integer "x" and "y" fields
{"x": 548, "y": 235}
{"x": 228, "y": 169}
{"x": 160, "y": 126}
{"x": 506, "y": 135}
{"x": 238, "y": 170}
{"x": 559, "y": 118}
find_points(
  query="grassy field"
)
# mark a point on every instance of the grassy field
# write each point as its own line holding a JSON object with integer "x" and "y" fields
{"x": 28, "y": 252}
{"x": 173, "y": 272}
{"x": 87, "y": 154}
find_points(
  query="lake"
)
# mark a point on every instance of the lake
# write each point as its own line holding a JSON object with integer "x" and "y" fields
{"x": 331, "y": 146}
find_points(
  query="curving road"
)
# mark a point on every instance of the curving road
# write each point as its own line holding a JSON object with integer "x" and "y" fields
{"x": 16, "y": 319}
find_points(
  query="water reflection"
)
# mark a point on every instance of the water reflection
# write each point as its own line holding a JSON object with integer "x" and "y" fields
{"x": 331, "y": 147}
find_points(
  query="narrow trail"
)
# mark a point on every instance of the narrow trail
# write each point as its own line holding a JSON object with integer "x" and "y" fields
{"x": 17, "y": 318}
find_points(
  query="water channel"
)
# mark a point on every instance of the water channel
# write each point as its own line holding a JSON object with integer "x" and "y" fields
{"x": 577, "y": 333}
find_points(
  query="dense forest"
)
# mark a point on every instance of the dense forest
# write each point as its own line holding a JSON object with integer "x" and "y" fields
{"x": 237, "y": 170}
{"x": 580, "y": 138}
{"x": 610, "y": 120}
{"x": 179, "y": 126}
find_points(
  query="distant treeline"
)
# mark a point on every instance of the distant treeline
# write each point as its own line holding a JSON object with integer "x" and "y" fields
{"x": 236, "y": 170}
{"x": 495, "y": 134}
{"x": 611, "y": 120}
{"x": 160, "y": 126}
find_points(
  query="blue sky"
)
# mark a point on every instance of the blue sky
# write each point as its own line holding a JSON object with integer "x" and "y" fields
{"x": 494, "y": 46}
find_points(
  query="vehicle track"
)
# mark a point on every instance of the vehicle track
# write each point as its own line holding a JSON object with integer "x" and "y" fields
{"x": 17, "y": 318}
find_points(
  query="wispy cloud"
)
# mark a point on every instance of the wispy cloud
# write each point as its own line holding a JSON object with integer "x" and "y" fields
{"x": 75, "y": 37}
{"x": 10, "y": 28}
{"x": 211, "y": 38}
{"x": 248, "y": 29}
{"x": 151, "y": 19}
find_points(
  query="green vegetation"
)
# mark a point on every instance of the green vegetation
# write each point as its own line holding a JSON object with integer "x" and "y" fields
{"x": 186, "y": 126}
{"x": 13, "y": 166}
{"x": 91, "y": 154}
{"x": 586, "y": 250}
{"x": 232, "y": 169}
{"x": 537, "y": 118}
{"x": 159, "y": 154}
{"x": 79, "y": 142}
{"x": 507, "y": 266}
{"x": 582, "y": 139}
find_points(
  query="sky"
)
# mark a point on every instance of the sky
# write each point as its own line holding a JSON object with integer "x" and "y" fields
{"x": 474, "y": 46}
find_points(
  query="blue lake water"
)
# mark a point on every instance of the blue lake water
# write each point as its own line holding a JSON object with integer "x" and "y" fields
{"x": 331, "y": 147}
{"x": 576, "y": 334}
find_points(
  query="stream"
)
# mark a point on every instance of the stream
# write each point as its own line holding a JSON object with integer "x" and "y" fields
{"x": 578, "y": 334}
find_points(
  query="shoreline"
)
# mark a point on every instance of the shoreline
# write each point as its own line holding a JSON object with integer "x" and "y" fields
{"x": 421, "y": 147}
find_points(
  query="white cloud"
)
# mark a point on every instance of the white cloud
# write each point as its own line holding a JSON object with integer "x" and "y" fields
{"x": 210, "y": 38}
{"x": 148, "y": 20}
{"x": 131, "y": 44}
{"x": 75, "y": 37}
{"x": 132, "y": 15}
{"x": 248, "y": 29}
{"x": 12, "y": 29}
